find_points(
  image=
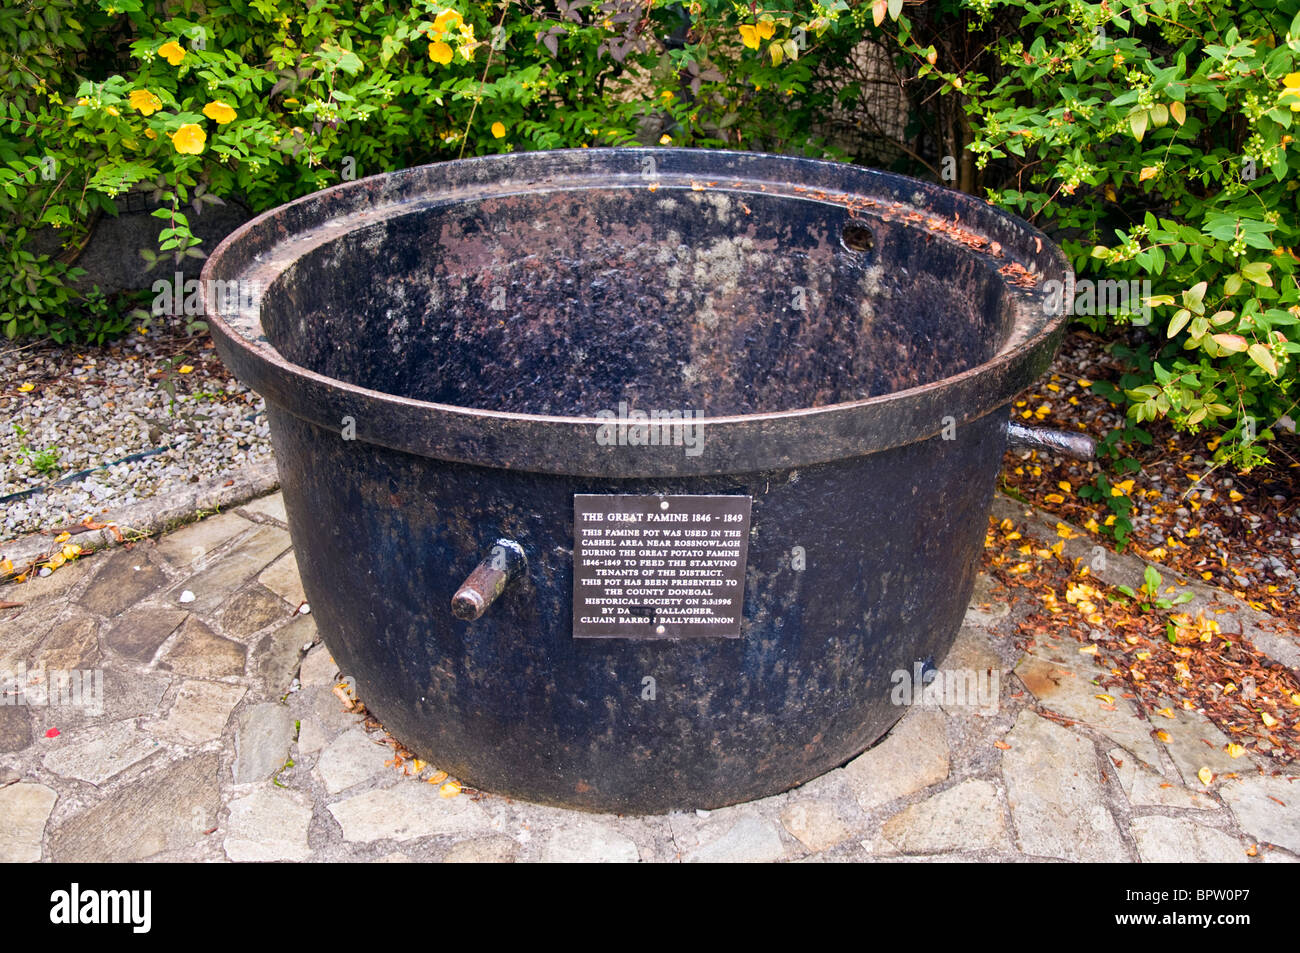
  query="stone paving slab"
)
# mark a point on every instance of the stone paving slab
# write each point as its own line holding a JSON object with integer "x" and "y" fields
{"x": 1054, "y": 791}
{"x": 25, "y": 808}
{"x": 219, "y": 737}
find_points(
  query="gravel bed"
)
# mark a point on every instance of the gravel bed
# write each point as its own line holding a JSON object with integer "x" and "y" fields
{"x": 107, "y": 410}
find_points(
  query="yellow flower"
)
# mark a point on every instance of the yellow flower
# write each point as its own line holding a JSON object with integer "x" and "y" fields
{"x": 752, "y": 35}
{"x": 498, "y": 130}
{"x": 1291, "y": 93}
{"x": 440, "y": 52}
{"x": 171, "y": 51}
{"x": 112, "y": 110}
{"x": 144, "y": 102}
{"x": 189, "y": 139}
{"x": 150, "y": 134}
{"x": 219, "y": 112}
{"x": 665, "y": 139}
{"x": 446, "y": 20}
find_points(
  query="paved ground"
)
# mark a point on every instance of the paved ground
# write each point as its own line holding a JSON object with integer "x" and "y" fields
{"x": 221, "y": 737}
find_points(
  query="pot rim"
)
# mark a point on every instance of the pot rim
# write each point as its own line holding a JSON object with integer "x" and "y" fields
{"x": 261, "y": 250}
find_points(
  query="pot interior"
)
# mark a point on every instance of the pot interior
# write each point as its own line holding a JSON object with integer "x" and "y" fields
{"x": 569, "y": 302}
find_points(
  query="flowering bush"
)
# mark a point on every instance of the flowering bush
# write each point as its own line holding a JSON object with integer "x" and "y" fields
{"x": 269, "y": 101}
{"x": 1156, "y": 138}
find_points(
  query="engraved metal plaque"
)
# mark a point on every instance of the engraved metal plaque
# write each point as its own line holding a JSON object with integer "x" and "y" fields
{"x": 658, "y": 566}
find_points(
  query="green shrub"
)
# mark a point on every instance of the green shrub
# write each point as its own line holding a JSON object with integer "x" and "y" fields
{"x": 1157, "y": 138}
{"x": 191, "y": 102}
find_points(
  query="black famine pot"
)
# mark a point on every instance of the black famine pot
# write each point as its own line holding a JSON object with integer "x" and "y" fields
{"x": 626, "y": 480}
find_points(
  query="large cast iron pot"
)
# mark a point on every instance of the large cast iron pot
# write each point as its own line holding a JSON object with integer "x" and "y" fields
{"x": 441, "y": 349}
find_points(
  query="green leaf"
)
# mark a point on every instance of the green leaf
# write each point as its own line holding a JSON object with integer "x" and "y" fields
{"x": 1257, "y": 271}
{"x": 1178, "y": 322}
{"x": 1263, "y": 357}
{"x": 1151, "y": 579}
{"x": 1137, "y": 121}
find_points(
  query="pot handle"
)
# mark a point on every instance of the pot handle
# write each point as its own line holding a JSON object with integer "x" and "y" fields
{"x": 1077, "y": 445}
{"x": 488, "y": 580}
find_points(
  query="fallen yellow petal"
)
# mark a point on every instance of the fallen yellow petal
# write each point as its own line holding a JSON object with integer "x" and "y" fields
{"x": 1268, "y": 720}
{"x": 1088, "y": 650}
{"x": 62, "y": 538}
{"x": 27, "y": 388}
{"x": 1235, "y": 750}
{"x": 452, "y": 788}
{"x": 1163, "y": 735}
{"x": 1108, "y": 699}
{"x": 1206, "y": 775}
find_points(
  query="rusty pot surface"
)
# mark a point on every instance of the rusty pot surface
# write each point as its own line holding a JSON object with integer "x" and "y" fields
{"x": 456, "y": 359}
